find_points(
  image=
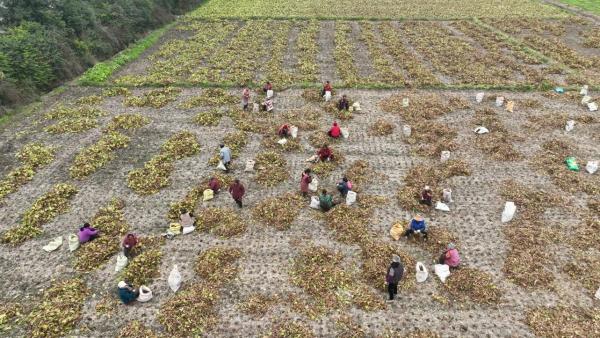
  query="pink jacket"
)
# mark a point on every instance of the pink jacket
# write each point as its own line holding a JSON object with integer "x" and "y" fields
{"x": 452, "y": 258}
{"x": 85, "y": 234}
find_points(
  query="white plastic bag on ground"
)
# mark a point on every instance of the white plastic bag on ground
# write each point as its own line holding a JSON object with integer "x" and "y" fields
{"x": 509, "y": 212}
{"x": 350, "y": 198}
{"x": 73, "y": 242}
{"x": 294, "y": 131}
{"x": 592, "y": 106}
{"x": 591, "y": 167}
{"x": 479, "y": 97}
{"x": 406, "y": 130}
{"x": 121, "y": 262}
{"x": 584, "y": 90}
{"x": 270, "y": 93}
{"x": 313, "y": 158}
{"x": 405, "y": 102}
{"x": 174, "y": 279}
{"x": 249, "y": 166}
{"x": 445, "y": 156}
{"x": 207, "y": 195}
{"x": 221, "y": 166}
{"x": 499, "y": 101}
{"x": 442, "y": 206}
{"x": 597, "y": 295}
{"x": 313, "y": 185}
{"x": 282, "y": 141}
{"x": 570, "y": 125}
{"x": 145, "y": 294}
{"x": 327, "y": 96}
{"x": 447, "y": 195}
{"x": 586, "y": 99}
{"x": 53, "y": 244}
{"x": 356, "y": 106}
{"x": 345, "y": 132}
{"x": 314, "y": 202}
{"x": 421, "y": 273}
{"x": 187, "y": 230}
{"x": 481, "y": 130}
{"x": 442, "y": 271}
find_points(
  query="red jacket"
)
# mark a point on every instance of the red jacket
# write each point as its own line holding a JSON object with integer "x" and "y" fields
{"x": 304, "y": 182}
{"x": 327, "y": 87}
{"x": 335, "y": 131}
{"x": 324, "y": 153}
{"x": 214, "y": 184}
{"x": 129, "y": 241}
{"x": 237, "y": 191}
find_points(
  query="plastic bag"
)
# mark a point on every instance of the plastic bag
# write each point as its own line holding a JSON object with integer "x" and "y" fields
{"x": 313, "y": 158}
{"x": 442, "y": 271}
{"x": 345, "y": 132}
{"x": 174, "y": 228}
{"x": 270, "y": 93}
{"x": 174, "y": 279}
{"x": 591, "y": 167}
{"x": 572, "y": 163}
{"x": 313, "y": 185}
{"x": 481, "y": 130}
{"x": 53, "y": 244}
{"x": 406, "y": 130}
{"x": 479, "y": 97}
{"x": 592, "y": 106}
{"x": 356, "y": 106}
{"x": 282, "y": 141}
{"x": 570, "y": 125}
{"x": 442, "y": 206}
{"x": 121, "y": 262}
{"x": 350, "y": 198}
{"x": 405, "y": 102}
{"x": 249, "y": 166}
{"x": 327, "y": 96}
{"x": 597, "y": 295}
{"x": 208, "y": 195}
{"x": 314, "y": 202}
{"x": 509, "y": 212}
{"x": 585, "y": 100}
{"x": 397, "y": 231}
{"x": 445, "y": 156}
{"x": 221, "y": 166}
{"x": 294, "y": 131}
{"x": 145, "y": 294}
{"x": 187, "y": 230}
{"x": 510, "y": 106}
{"x": 559, "y": 90}
{"x": 447, "y": 195}
{"x": 584, "y": 90}
{"x": 73, "y": 242}
{"x": 421, "y": 273}
{"x": 499, "y": 101}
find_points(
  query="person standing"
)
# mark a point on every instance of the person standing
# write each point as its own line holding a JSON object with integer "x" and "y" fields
{"x": 225, "y": 154}
{"x": 245, "y": 98}
{"x": 237, "y": 192}
{"x": 305, "y": 180}
{"x": 393, "y": 276}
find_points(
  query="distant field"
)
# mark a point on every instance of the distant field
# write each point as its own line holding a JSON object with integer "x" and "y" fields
{"x": 377, "y": 9}
{"x": 588, "y": 5}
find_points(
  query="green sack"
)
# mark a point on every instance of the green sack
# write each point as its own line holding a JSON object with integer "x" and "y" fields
{"x": 572, "y": 163}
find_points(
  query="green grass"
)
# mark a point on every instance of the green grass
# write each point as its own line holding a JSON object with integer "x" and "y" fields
{"x": 375, "y": 9}
{"x": 101, "y": 72}
{"x": 589, "y": 5}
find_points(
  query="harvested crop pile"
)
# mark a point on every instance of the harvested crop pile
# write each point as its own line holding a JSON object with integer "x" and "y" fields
{"x": 236, "y": 141}
{"x": 318, "y": 138}
{"x": 377, "y": 257}
{"x": 61, "y": 113}
{"x": 421, "y": 106}
{"x": 249, "y": 122}
{"x": 364, "y": 298}
{"x": 191, "y": 312}
{"x": 418, "y": 333}
{"x": 305, "y": 118}
{"x": 586, "y": 235}
{"x": 313, "y": 95}
{"x": 90, "y": 100}
{"x": 349, "y": 224}
{"x": 72, "y": 126}
{"x": 498, "y": 146}
{"x": 528, "y": 268}
{"x": 550, "y": 160}
{"x": 381, "y": 128}
{"x": 531, "y": 202}
{"x": 431, "y": 175}
{"x": 284, "y": 328}
{"x": 437, "y": 240}
{"x": 564, "y": 321}
{"x": 585, "y": 269}
{"x": 33, "y": 157}
{"x": 270, "y": 142}
{"x": 458, "y": 103}
{"x": 43, "y": 210}
{"x": 208, "y": 118}
{"x": 94, "y": 157}
{"x": 307, "y": 306}
{"x": 271, "y": 169}
{"x": 180, "y": 145}
{"x": 193, "y": 196}
{"x": 9, "y": 313}
{"x": 115, "y": 91}
{"x": 143, "y": 268}
{"x": 556, "y": 120}
{"x": 156, "y": 98}
{"x": 591, "y": 38}
{"x": 110, "y": 221}
{"x": 469, "y": 284}
{"x": 59, "y": 311}
{"x": 348, "y": 327}
{"x": 432, "y": 138}
{"x": 135, "y": 329}
{"x": 128, "y": 122}
{"x": 257, "y": 304}
{"x": 222, "y": 222}
{"x": 107, "y": 305}
{"x": 279, "y": 212}
{"x": 218, "y": 265}
{"x": 325, "y": 168}
{"x": 210, "y": 97}
{"x": 360, "y": 174}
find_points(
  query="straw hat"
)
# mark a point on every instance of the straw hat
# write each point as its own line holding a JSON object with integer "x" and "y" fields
{"x": 396, "y": 259}
{"x": 418, "y": 218}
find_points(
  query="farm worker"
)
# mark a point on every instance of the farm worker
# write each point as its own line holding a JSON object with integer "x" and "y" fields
{"x": 129, "y": 243}
{"x": 393, "y": 276}
{"x": 284, "y": 130}
{"x": 186, "y": 218}
{"x": 325, "y": 201}
{"x": 267, "y": 86}
{"x": 343, "y": 104}
{"x": 305, "y": 180}
{"x": 267, "y": 105}
{"x": 335, "y": 131}
{"x": 325, "y": 153}
{"x": 417, "y": 225}
{"x": 245, "y": 98}
{"x": 127, "y": 293}
{"x": 214, "y": 184}
{"x": 426, "y": 196}
{"x": 326, "y": 88}
{"x": 343, "y": 187}
{"x": 450, "y": 257}
{"x": 87, "y": 233}
{"x": 237, "y": 191}
{"x": 225, "y": 155}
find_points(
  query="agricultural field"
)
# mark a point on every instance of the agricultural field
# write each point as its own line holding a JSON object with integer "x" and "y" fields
{"x": 131, "y": 143}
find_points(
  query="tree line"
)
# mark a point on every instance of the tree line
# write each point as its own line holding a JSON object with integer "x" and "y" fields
{"x": 46, "y": 42}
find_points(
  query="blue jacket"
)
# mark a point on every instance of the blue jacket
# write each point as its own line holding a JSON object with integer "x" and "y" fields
{"x": 418, "y": 225}
{"x": 343, "y": 188}
{"x": 225, "y": 154}
{"x": 127, "y": 296}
